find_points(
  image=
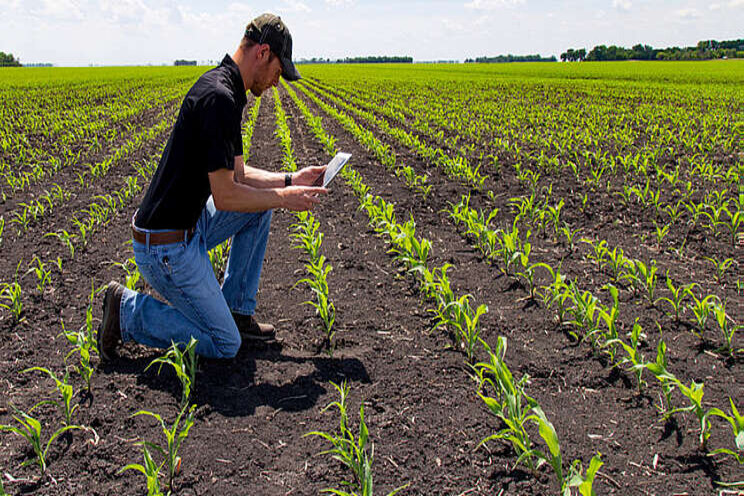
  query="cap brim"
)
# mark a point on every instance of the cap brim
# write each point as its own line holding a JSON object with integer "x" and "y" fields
{"x": 289, "y": 71}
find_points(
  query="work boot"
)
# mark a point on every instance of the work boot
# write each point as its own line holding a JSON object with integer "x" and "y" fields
{"x": 252, "y": 330}
{"x": 109, "y": 333}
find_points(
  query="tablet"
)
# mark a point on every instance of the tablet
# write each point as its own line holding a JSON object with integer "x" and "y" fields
{"x": 333, "y": 168}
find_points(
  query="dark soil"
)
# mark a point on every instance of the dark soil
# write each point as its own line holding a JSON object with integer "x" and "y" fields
{"x": 424, "y": 416}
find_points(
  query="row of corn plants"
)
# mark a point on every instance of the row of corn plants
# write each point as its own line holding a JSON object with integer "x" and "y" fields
{"x": 308, "y": 238}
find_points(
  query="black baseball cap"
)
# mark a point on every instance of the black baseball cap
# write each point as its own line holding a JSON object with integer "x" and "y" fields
{"x": 269, "y": 29}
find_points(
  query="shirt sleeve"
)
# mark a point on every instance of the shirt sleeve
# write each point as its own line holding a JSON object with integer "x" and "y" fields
{"x": 219, "y": 127}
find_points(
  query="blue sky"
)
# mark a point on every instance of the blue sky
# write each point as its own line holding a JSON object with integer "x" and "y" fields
{"x": 82, "y": 32}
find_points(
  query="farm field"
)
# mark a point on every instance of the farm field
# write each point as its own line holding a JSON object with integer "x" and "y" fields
{"x": 545, "y": 255}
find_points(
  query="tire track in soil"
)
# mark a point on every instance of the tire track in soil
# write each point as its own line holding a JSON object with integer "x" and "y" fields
{"x": 560, "y": 387}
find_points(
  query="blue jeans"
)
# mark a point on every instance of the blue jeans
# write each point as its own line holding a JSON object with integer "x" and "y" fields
{"x": 182, "y": 274}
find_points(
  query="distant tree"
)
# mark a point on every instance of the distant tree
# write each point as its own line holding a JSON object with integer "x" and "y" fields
{"x": 572, "y": 55}
{"x": 7, "y": 60}
{"x": 180, "y": 62}
{"x": 376, "y": 60}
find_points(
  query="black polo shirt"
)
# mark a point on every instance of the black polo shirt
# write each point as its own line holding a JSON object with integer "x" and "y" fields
{"x": 205, "y": 138}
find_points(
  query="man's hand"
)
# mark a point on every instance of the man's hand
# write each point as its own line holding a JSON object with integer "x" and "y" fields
{"x": 308, "y": 175}
{"x": 300, "y": 198}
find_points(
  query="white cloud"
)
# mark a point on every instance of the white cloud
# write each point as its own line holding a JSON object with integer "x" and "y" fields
{"x": 736, "y": 3}
{"x": 338, "y": 3}
{"x": 294, "y": 6}
{"x": 714, "y": 6}
{"x": 622, "y": 4}
{"x": 492, "y": 4}
{"x": 687, "y": 14}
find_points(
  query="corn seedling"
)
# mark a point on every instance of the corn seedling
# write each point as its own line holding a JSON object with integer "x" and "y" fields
{"x": 668, "y": 381}
{"x": 323, "y": 305}
{"x": 43, "y": 275}
{"x": 598, "y": 253}
{"x": 633, "y": 359}
{"x": 65, "y": 390}
{"x": 737, "y": 427}
{"x": 466, "y": 322}
{"x": 570, "y": 236}
{"x": 131, "y": 273}
{"x": 557, "y": 293}
{"x": 11, "y": 299}
{"x": 183, "y": 359}
{"x": 720, "y": 267}
{"x": 647, "y": 277}
{"x": 727, "y": 328}
{"x": 555, "y": 459}
{"x": 174, "y": 437}
{"x": 701, "y": 309}
{"x": 30, "y": 430}
{"x": 66, "y": 239}
{"x": 351, "y": 449}
{"x": 150, "y": 470}
{"x": 510, "y": 404}
{"x": 584, "y": 314}
{"x": 677, "y": 297}
{"x": 661, "y": 233}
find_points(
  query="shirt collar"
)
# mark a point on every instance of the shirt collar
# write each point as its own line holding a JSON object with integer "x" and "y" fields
{"x": 236, "y": 78}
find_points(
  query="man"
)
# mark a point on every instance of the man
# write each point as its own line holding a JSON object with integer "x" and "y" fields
{"x": 201, "y": 194}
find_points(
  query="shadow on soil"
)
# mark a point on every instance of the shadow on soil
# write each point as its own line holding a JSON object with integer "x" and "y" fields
{"x": 232, "y": 388}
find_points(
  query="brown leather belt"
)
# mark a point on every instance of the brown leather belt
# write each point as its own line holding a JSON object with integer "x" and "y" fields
{"x": 161, "y": 238}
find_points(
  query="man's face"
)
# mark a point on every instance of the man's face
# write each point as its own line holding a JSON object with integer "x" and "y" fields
{"x": 269, "y": 69}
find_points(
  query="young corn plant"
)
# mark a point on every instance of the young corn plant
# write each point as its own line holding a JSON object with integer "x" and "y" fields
{"x": 727, "y": 328}
{"x": 647, "y": 277}
{"x": 174, "y": 437}
{"x": 151, "y": 471}
{"x": 30, "y": 430}
{"x": 720, "y": 267}
{"x": 131, "y": 273}
{"x": 701, "y": 309}
{"x": 43, "y": 275}
{"x": 557, "y": 293}
{"x": 183, "y": 360}
{"x": 353, "y": 451}
{"x": 466, "y": 323}
{"x": 694, "y": 394}
{"x": 677, "y": 297}
{"x": 668, "y": 381}
{"x": 65, "y": 390}
{"x": 737, "y": 427}
{"x": 67, "y": 239}
{"x": 324, "y": 307}
{"x": 632, "y": 359}
{"x": 510, "y": 404}
{"x": 11, "y": 299}
{"x": 555, "y": 459}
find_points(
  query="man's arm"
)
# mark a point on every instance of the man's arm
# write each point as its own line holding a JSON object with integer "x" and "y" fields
{"x": 231, "y": 195}
{"x": 256, "y": 178}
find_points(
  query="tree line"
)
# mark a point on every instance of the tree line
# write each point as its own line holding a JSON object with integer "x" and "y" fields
{"x": 7, "y": 60}
{"x": 511, "y": 58}
{"x": 704, "y": 50}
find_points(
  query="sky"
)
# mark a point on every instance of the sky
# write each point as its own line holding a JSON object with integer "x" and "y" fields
{"x": 127, "y": 32}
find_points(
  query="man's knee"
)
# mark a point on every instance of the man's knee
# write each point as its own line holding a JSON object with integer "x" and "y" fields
{"x": 229, "y": 349}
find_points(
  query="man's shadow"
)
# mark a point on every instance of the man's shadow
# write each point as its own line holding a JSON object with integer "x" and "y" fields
{"x": 230, "y": 386}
